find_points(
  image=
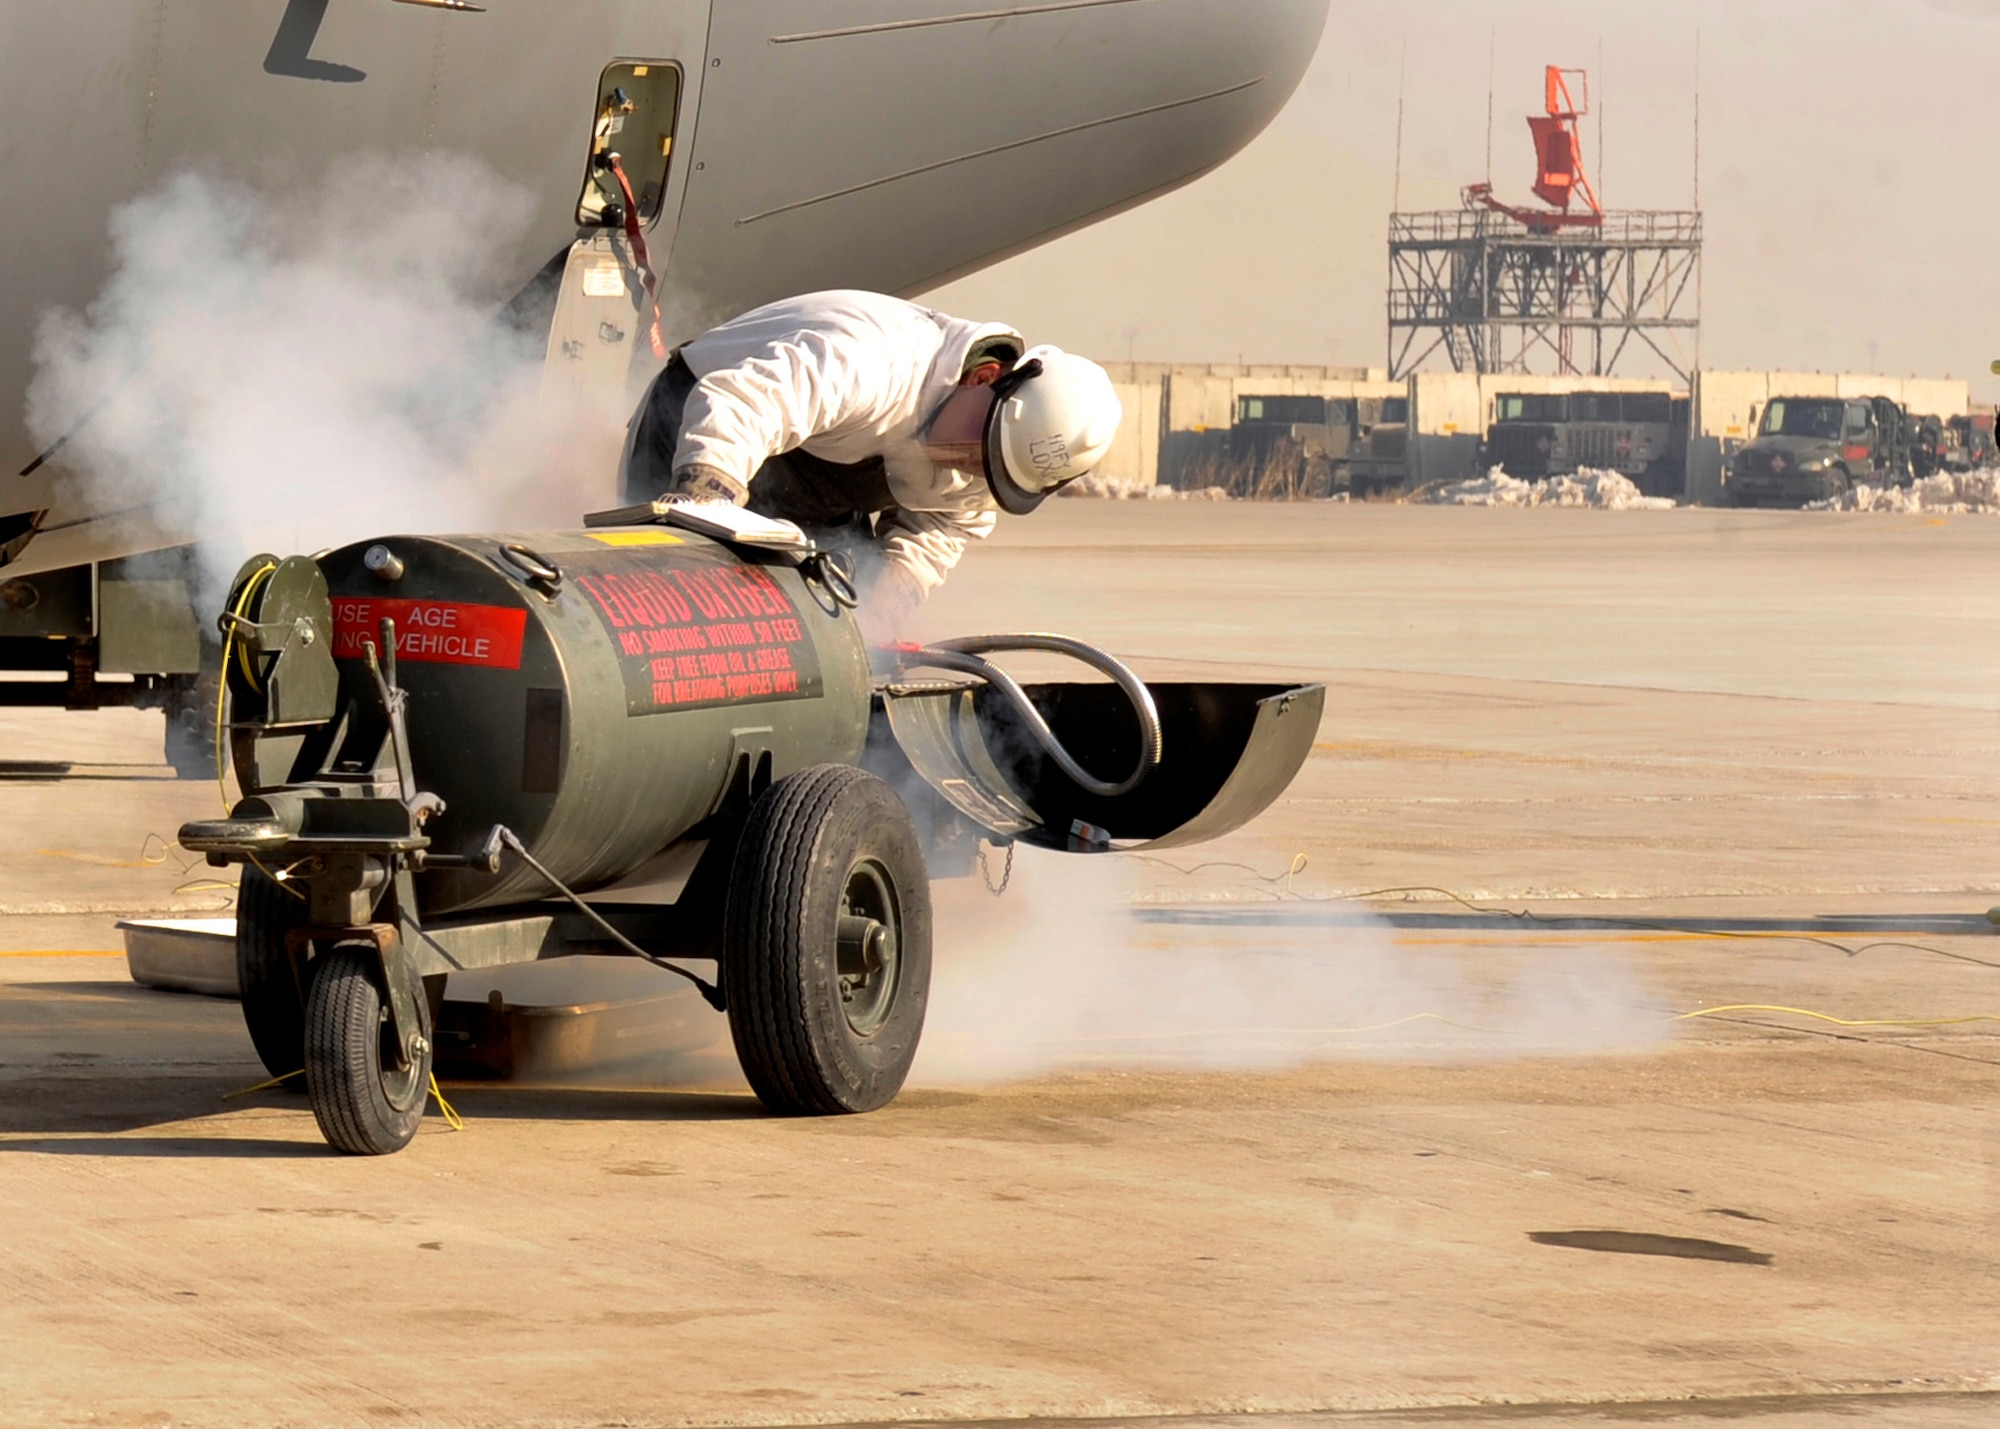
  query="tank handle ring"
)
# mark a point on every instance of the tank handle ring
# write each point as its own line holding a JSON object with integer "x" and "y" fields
{"x": 835, "y": 571}
{"x": 541, "y": 572}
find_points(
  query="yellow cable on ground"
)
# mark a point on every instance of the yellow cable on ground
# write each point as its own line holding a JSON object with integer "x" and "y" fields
{"x": 1840, "y": 1021}
{"x": 203, "y": 885}
{"x": 451, "y": 1116}
{"x": 1297, "y": 866}
{"x": 1524, "y": 915}
{"x": 1440, "y": 1018}
{"x": 263, "y": 1086}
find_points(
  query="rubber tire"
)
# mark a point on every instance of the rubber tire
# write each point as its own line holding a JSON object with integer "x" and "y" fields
{"x": 274, "y": 1000}
{"x": 345, "y": 1027}
{"x": 779, "y": 970}
{"x": 188, "y": 704}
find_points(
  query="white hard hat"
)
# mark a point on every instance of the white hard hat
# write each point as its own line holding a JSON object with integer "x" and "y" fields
{"x": 1054, "y": 417}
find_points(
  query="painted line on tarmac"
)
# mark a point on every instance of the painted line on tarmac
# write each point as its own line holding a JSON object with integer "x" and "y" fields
{"x": 63, "y": 953}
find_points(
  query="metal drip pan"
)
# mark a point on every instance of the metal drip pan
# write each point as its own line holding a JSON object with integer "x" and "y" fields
{"x": 498, "y": 1039}
{"x": 182, "y": 954}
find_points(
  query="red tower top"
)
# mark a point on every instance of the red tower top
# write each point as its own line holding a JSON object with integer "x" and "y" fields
{"x": 1559, "y": 173}
{"x": 1559, "y": 143}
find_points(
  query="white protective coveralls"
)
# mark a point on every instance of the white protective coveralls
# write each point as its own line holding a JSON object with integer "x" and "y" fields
{"x": 848, "y": 376}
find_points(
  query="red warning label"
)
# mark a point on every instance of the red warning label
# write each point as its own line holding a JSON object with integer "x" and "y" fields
{"x": 699, "y": 635}
{"x": 441, "y": 632}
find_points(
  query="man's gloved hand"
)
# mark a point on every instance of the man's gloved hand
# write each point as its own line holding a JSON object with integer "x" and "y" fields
{"x": 706, "y": 483}
{"x": 892, "y": 598}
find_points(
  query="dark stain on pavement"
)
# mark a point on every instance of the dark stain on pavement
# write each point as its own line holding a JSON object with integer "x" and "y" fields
{"x": 1645, "y": 1243}
{"x": 32, "y": 769}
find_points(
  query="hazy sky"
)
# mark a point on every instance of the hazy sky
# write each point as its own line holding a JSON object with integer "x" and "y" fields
{"x": 1850, "y": 191}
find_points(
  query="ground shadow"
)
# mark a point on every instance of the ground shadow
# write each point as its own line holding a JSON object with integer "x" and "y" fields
{"x": 100, "y": 990}
{"x": 81, "y": 1098}
{"x": 518, "y": 1102}
{"x": 196, "y": 1147}
{"x": 1645, "y": 1243}
{"x": 107, "y": 1059}
{"x": 80, "y": 1114}
{"x": 44, "y": 771}
{"x": 34, "y": 768}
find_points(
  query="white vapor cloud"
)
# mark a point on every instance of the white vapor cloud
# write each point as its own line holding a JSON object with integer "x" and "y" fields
{"x": 310, "y": 365}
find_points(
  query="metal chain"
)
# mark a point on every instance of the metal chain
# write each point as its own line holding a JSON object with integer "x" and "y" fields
{"x": 1006, "y": 870}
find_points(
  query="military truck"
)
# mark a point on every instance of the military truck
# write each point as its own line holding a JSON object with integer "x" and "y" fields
{"x": 1535, "y": 435}
{"x": 1962, "y": 443}
{"x": 1930, "y": 445}
{"x": 1379, "y": 445}
{"x": 1320, "y": 446}
{"x": 1969, "y": 442}
{"x": 1819, "y": 448}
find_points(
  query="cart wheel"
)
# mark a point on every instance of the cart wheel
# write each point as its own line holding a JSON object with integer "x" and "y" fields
{"x": 364, "y": 1106}
{"x": 272, "y": 990}
{"x": 826, "y": 943}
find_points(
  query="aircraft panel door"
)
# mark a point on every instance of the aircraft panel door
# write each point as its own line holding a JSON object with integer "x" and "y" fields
{"x": 634, "y": 121}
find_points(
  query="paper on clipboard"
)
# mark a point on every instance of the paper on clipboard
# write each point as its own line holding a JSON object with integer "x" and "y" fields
{"x": 715, "y": 519}
{"x": 723, "y": 522}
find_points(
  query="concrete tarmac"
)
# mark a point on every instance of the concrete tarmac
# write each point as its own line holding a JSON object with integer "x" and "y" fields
{"x": 1299, "y": 1144}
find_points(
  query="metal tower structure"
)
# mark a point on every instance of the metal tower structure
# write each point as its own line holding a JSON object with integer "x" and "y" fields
{"x": 1567, "y": 290}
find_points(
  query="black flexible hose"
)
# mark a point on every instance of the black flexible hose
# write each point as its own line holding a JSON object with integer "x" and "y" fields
{"x": 963, "y": 654}
{"x": 711, "y": 993}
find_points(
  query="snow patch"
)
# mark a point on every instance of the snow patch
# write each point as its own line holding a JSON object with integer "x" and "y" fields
{"x": 1949, "y": 492}
{"x": 1600, "y": 490}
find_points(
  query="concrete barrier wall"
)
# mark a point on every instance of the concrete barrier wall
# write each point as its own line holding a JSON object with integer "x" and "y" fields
{"x": 1446, "y": 423}
{"x": 1178, "y": 414}
{"x": 1135, "y": 455}
{"x": 1937, "y": 397}
{"x": 1208, "y": 399}
{"x": 1450, "y": 412}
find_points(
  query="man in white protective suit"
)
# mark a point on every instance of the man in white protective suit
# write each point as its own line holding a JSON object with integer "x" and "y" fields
{"x": 876, "y": 424}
